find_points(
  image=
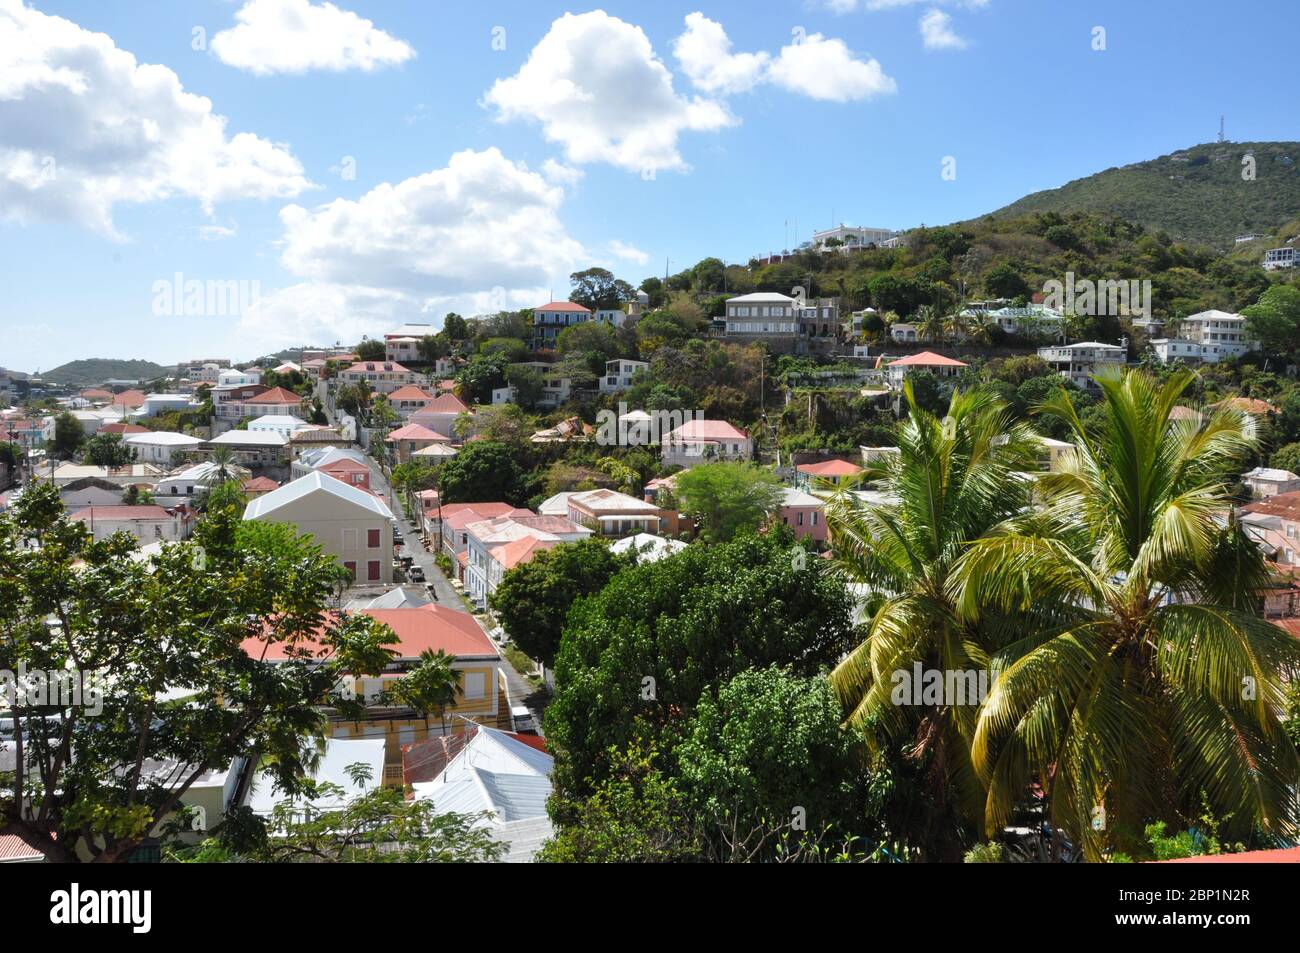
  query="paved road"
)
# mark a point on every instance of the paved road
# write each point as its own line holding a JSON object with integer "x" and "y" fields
{"x": 521, "y": 691}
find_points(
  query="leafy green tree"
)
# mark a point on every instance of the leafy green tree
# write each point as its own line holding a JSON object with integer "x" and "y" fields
{"x": 370, "y": 350}
{"x": 108, "y": 450}
{"x": 481, "y": 375}
{"x": 483, "y": 471}
{"x": 82, "y": 786}
{"x": 1274, "y": 320}
{"x": 1005, "y": 281}
{"x": 69, "y": 435}
{"x": 770, "y": 743}
{"x": 1149, "y": 680}
{"x": 527, "y": 382}
{"x": 636, "y": 657}
{"x": 455, "y": 327}
{"x": 953, "y": 482}
{"x": 1286, "y": 458}
{"x": 378, "y": 826}
{"x": 728, "y": 498}
{"x": 533, "y": 599}
{"x": 598, "y": 289}
{"x": 512, "y": 349}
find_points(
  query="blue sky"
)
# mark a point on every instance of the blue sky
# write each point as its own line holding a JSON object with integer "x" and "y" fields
{"x": 602, "y": 138}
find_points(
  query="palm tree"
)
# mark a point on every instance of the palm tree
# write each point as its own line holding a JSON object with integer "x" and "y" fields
{"x": 930, "y": 324}
{"x": 952, "y": 480}
{"x": 432, "y": 685}
{"x": 224, "y": 468}
{"x": 1160, "y": 685}
{"x": 979, "y": 328}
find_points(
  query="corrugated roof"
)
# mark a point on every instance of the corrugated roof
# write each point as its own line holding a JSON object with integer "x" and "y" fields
{"x": 315, "y": 482}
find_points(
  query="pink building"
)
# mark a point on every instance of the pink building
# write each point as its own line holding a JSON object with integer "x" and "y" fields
{"x": 805, "y": 514}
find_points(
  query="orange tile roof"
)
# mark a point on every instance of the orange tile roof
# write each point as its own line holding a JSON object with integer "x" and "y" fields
{"x": 830, "y": 468}
{"x": 122, "y": 428}
{"x": 563, "y": 306}
{"x": 1291, "y": 626}
{"x": 708, "y": 430}
{"x": 519, "y": 551}
{"x": 1248, "y": 405}
{"x": 1285, "y": 505}
{"x": 260, "y": 483}
{"x": 458, "y": 515}
{"x": 129, "y": 398}
{"x": 446, "y": 403}
{"x": 409, "y": 392}
{"x": 275, "y": 395}
{"x": 416, "y": 432}
{"x": 427, "y": 628}
{"x": 927, "y": 359}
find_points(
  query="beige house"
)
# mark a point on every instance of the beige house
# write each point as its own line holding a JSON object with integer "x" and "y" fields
{"x": 351, "y": 524}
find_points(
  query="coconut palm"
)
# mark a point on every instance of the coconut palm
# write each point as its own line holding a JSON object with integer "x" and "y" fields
{"x": 1160, "y": 685}
{"x": 979, "y": 328}
{"x": 951, "y": 480}
{"x": 223, "y": 468}
{"x": 930, "y": 324}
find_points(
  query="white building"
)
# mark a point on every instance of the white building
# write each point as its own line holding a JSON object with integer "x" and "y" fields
{"x": 495, "y": 546}
{"x": 619, "y": 374}
{"x": 283, "y": 424}
{"x": 1078, "y": 363}
{"x": 1265, "y": 482}
{"x": 237, "y": 378}
{"x": 850, "y": 237}
{"x": 155, "y": 404}
{"x": 161, "y": 446}
{"x": 1220, "y": 334}
{"x": 148, "y": 524}
{"x": 1278, "y": 258}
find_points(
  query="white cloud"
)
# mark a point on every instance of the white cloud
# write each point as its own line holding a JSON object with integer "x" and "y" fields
{"x": 594, "y": 83}
{"x": 937, "y": 32}
{"x": 294, "y": 36}
{"x": 84, "y": 127}
{"x": 481, "y": 234}
{"x": 704, "y": 51}
{"x": 560, "y": 174}
{"x": 628, "y": 252}
{"x": 826, "y": 69}
{"x": 216, "y": 233}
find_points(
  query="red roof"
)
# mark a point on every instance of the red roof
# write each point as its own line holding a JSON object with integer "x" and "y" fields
{"x": 17, "y": 845}
{"x": 276, "y": 395}
{"x": 563, "y": 306}
{"x": 427, "y": 628}
{"x": 445, "y": 403}
{"x": 1248, "y": 405}
{"x": 97, "y": 393}
{"x": 344, "y": 466}
{"x": 927, "y": 359}
{"x": 458, "y": 515}
{"x": 708, "y": 430}
{"x": 519, "y": 551}
{"x": 416, "y": 432}
{"x": 123, "y": 428}
{"x": 118, "y": 513}
{"x": 409, "y": 392}
{"x": 1292, "y": 626}
{"x": 129, "y": 398}
{"x": 1284, "y": 505}
{"x": 1285, "y": 855}
{"x": 830, "y": 468}
{"x": 256, "y": 484}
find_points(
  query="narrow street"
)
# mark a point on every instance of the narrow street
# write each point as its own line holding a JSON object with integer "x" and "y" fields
{"x": 520, "y": 690}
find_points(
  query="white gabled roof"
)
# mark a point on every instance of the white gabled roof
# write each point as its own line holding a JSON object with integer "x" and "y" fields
{"x": 314, "y": 482}
{"x": 495, "y": 773}
{"x": 793, "y": 497}
{"x": 648, "y": 548}
{"x": 1214, "y": 314}
{"x": 1272, "y": 474}
{"x": 249, "y": 438}
{"x": 763, "y": 297}
{"x": 163, "y": 438}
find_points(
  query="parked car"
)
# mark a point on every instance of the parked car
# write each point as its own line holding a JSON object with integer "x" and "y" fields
{"x": 416, "y": 574}
{"x": 523, "y": 721}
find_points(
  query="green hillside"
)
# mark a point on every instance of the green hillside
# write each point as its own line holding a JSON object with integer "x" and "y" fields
{"x": 96, "y": 370}
{"x": 1196, "y": 195}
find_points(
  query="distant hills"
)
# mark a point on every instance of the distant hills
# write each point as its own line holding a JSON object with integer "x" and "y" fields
{"x": 96, "y": 370}
{"x": 1196, "y": 195}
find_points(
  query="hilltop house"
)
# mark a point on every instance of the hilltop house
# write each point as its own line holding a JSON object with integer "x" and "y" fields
{"x": 407, "y": 440}
{"x": 705, "y": 441}
{"x": 161, "y": 446}
{"x": 552, "y": 318}
{"x": 936, "y": 364}
{"x": 494, "y": 546}
{"x": 351, "y": 524}
{"x": 1079, "y": 363}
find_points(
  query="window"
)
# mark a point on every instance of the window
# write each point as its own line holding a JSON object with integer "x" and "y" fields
{"x": 372, "y": 539}
{"x": 475, "y": 685}
{"x": 351, "y": 567}
{"x": 351, "y": 539}
{"x": 372, "y": 570}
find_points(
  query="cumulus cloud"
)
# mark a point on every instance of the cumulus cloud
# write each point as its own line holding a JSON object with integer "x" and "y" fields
{"x": 594, "y": 83}
{"x": 628, "y": 252}
{"x": 826, "y": 69}
{"x": 481, "y": 234}
{"x": 704, "y": 51}
{"x": 126, "y": 132}
{"x": 812, "y": 66}
{"x": 561, "y": 174}
{"x": 937, "y": 32}
{"x": 295, "y": 36}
